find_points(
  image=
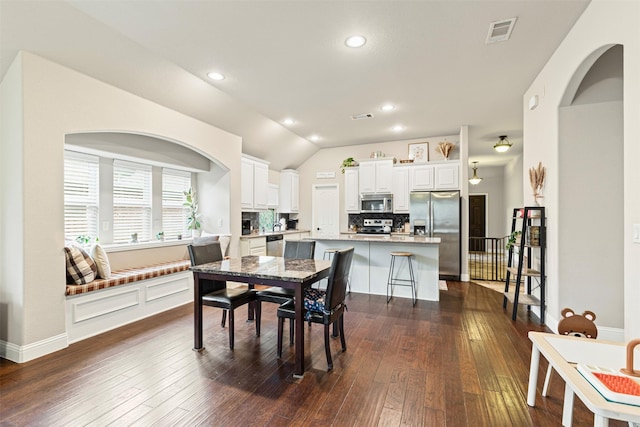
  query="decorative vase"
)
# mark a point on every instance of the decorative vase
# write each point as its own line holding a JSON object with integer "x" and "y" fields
{"x": 196, "y": 232}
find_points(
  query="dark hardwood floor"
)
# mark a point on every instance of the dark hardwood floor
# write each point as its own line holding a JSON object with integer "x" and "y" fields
{"x": 459, "y": 362}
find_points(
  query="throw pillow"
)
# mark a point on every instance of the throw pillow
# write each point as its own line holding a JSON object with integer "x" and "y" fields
{"x": 102, "y": 262}
{"x": 80, "y": 267}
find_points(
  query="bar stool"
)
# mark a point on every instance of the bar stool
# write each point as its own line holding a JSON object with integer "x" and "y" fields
{"x": 394, "y": 281}
{"x": 328, "y": 255}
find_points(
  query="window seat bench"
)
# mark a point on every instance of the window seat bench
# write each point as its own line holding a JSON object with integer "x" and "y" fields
{"x": 127, "y": 296}
{"x": 130, "y": 275}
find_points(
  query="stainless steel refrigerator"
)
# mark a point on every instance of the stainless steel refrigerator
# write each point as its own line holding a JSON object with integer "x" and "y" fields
{"x": 439, "y": 211}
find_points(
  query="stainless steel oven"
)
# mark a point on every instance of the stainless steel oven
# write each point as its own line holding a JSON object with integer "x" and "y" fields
{"x": 376, "y": 203}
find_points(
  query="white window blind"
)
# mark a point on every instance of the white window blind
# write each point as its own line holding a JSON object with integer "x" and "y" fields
{"x": 80, "y": 195}
{"x": 174, "y": 215}
{"x": 131, "y": 201}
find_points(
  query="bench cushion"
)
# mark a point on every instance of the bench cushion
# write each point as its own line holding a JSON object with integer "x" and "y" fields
{"x": 122, "y": 277}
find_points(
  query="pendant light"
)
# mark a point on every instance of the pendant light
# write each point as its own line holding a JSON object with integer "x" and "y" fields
{"x": 475, "y": 179}
{"x": 502, "y": 145}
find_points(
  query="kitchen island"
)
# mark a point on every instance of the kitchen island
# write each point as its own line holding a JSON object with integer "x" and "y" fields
{"x": 371, "y": 259}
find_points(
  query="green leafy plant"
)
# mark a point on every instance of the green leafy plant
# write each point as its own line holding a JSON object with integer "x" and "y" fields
{"x": 160, "y": 235}
{"x": 347, "y": 163}
{"x": 513, "y": 238}
{"x": 193, "y": 218}
{"x": 85, "y": 239}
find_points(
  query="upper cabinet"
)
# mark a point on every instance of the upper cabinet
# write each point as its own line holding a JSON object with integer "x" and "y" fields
{"x": 447, "y": 176}
{"x": 401, "y": 189}
{"x": 351, "y": 190}
{"x": 272, "y": 198}
{"x": 440, "y": 176}
{"x": 289, "y": 191}
{"x": 376, "y": 176}
{"x": 254, "y": 184}
{"x": 421, "y": 178}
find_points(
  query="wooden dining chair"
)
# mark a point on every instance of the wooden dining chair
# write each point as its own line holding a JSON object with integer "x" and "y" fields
{"x": 325, "y": 307}
{"x": 215, "y": 293}
{"x": 293, "y": 249}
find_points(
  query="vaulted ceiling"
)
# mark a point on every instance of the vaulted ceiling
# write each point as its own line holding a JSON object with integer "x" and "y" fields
{"x": 288, "y": 59}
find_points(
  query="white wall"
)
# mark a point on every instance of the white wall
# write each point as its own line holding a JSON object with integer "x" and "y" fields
{"x": 512, "y": 191}
{"x": 590, "y": 231}
{"x": 602, "y": 25}
{"x": 11, "y": 206}
{"x": 58, "y": 101}
{"x": 492, "y": 185}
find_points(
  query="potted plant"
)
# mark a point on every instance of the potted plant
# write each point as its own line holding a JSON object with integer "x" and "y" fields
{"x": 347, "y": 163}
{"x": 514, "y": 239}
{"x": 160, "y": 235}
{"x": 193, "y": 217}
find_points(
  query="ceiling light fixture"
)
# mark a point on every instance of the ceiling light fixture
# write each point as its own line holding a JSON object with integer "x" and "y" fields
{"x": 397, "y": 128}
{"x": 388, "y": 107}
{"x": 475, "y": 179}
{"x": 288, "y": 121}
{"x": 355, "y": 41}
{"x": 314, "y": 138}
{"x": 216, "y": 76}
{"x": 502, "y": 145}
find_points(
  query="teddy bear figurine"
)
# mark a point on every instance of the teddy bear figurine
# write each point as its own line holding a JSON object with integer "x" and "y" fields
{"x": 578, "y": 325}
{"x": 575, "y": 325}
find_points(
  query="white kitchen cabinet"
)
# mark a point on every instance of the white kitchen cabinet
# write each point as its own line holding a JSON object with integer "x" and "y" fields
{"x": 254, "y": 184}
{"x": 254, "y": 246}
{"x": 447, "y": 176}
{"x": 351, "y": 190}
{"x": 421, "y": 178}
{"x": 401, "y": 189}
{"x": 376, "y": 176}
{"x": 289, "y": 191}
{"x": 272, "y": 199}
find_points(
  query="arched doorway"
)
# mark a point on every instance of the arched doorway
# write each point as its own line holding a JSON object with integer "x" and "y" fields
{"x": 590, "y": 158}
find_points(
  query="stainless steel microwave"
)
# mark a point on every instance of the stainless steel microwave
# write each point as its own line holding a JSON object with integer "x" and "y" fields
{"x": 376, "y": 203}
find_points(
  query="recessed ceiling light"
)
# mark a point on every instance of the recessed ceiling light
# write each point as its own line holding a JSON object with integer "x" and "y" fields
{"x": 355, "y": 41}
{"x": 288, "y": 121}
{"x": 216, "y": 76}
{"x": 388, "y": 107}
{"x": 314, "y": 138}
{"x": 397, "y": 128}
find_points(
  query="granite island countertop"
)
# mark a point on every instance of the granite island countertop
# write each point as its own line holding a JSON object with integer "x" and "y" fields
{"x": 373, "y": 238}
{"x": 271, "y": 233}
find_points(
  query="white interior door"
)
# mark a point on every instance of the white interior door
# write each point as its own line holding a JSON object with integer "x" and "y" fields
{"x": 325, "y": 207}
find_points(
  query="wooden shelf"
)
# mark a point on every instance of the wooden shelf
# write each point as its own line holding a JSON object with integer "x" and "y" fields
{"x": 524, "y": 299}
{"x": 528, "y": 272}
{"x": 533, "y": 223}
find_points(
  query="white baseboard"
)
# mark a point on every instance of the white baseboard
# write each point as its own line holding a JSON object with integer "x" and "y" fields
{"x": 25, "y": 353}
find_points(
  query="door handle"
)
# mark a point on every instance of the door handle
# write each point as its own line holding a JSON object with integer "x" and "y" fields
{"x": 318, "y": 228}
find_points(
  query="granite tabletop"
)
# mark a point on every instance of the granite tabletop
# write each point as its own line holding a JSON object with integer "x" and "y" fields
{"x": 266, "y": 267}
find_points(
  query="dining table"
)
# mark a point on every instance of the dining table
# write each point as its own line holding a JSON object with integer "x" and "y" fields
{"x": 296, "y": 274}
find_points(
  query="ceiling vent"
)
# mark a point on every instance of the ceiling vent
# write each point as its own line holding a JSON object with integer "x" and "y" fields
{"x": 362, "y": 116}
{"x": 500, "y": 31}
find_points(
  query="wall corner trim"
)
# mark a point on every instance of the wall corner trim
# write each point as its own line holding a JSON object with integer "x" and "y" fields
{"x": 25, "y": 353}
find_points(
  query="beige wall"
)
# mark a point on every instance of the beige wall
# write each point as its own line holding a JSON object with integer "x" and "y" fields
{"x": 58, "y": 101}
{"x": 603, "y": 24}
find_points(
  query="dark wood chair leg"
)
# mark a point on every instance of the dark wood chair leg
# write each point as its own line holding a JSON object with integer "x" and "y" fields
{"x": 258, "y": 317}
{"x": 231, "y": 328}
{"x": 292, "y": 329}
{"x": 280, "y": 328}
{"x": 224, "y": 318}
{"x": 335, "y": 329}
{"x": 342, "y": 339}
{"x": 327, "y": 348}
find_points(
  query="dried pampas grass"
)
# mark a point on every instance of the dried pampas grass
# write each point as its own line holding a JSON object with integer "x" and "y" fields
{"x": 536, "y": 178}
{"x": 445, "y": 148}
